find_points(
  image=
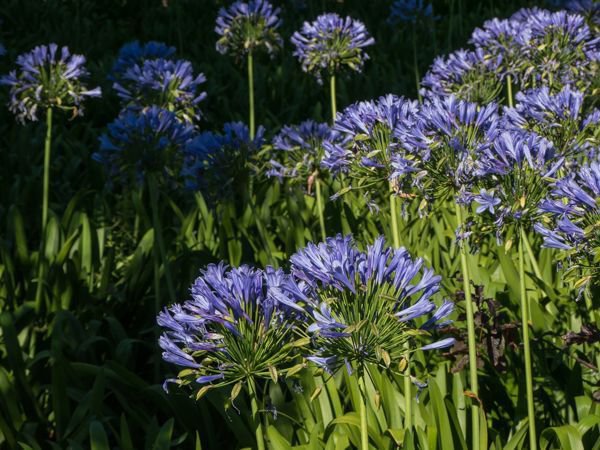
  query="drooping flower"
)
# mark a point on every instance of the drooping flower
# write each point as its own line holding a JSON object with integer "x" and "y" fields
{"x": 169, "y": 84}
{"x": 47, "y": 78}
{"x": 299, "y": 150}
{"x": 445, "y": 147}
{"x": 143, "y": 142}
{"x": 331, "y": 44}
{"x": 410, "y": 11}
{"x": 514, "y": 174}
{"x": 557, "y": 117}
{"x": 468, "y": 75}
{"x": 134, "y": 53}
{"x": 248, "y": 26}
{"x": 371, "y": 134}
{"x": 238, "y": 324}
{"x": 368, "y": 303}
{"x": 572, "y": 215}
{"x": 219, "y": 163}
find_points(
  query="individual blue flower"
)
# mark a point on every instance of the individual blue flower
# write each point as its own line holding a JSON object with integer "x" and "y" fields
{"x": 219, "y": 163}
{"x": 331, "y": 44}
{"x": 558, "y": 117}
{"x": 48, "y": 78}
{"x": 170, "y": 84}
{"x": 371, "y": 134}
{"x": 468, "y": 75}
{"x": 410, "y": 11}
{"x": 238, "y": 324}
{"x": 514, "y": 177}
{"x": 134, "y": 53}
{"x": 299, "y": 150}
{"x": 369, "y": 304}
{"x": 138, "y": 143}
{"x": 245, "y": 27}
{"x": 571, "y": 217}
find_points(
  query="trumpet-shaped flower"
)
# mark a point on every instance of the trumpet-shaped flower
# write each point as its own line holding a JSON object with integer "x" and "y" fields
{"x": 148, "y": 141}
{"x": 367, "y": 302}
{"x": 331, "y": 44}
{"x": 47, "y": 78}
{"x": 245, "y": 27}
{"x": 134, "y": 53}
{"x": 169, "y": 84}
{"x": 237, "y": 324}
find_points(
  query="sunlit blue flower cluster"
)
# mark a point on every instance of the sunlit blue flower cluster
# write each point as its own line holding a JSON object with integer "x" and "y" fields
{"x": 248, "y": 26}
{"x": 170, "y": 84}
{"x": 139, "y": 143}
{"x": 134, "y": 53}
{"x": 48, "y": 78}
{"x": 331, "y": 44}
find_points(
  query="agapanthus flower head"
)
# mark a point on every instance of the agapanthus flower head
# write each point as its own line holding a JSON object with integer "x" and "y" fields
{"x": 410, "y": 11}
{"x": 138, "y": 143}
{"x": 468, "y": 75}
{"x": 298, "y": 151}
{"x": 589, "y": 9}
{"x": 561, "y": 50}
{"x": 238, "y": 324}
{"x": 48, "y": 78}
{"x": 446, "y": 144}
{"x": 368, "y": 304}
{"x": 514, "y": 177}
{"x": 219, "y": 163}
{"x": 331, "y": 44}
{"x": 371, "y": 134}
{"x": 248, "y": 26}
{"x": 170, "y": 84}
{"x": 558, "y": 117}
{"x": 523, "y": 14}
{"x": 134, "y": 53}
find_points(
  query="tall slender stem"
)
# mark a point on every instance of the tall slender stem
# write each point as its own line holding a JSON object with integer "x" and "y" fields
{"x": 320, "y": 208}
{"x": 472, "y": 343}
{"x": 332, "y": 94}
{"x": 364, "y": 425}
{"x": 416, "y": 62}
{"x": 407, "y": 381}
{"x": 45, "y": 195}
{"x": 509, "y": 93}
{"x": 526, "y": 345}
{"x": 258, "y": 429}
{"x": 532, "y": 259}
{"x": 158, "y": 235}
{"x": 251, "y": 92}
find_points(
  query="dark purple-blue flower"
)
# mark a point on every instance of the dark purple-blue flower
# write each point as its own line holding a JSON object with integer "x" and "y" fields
{"x": 134, "y": 53}
{"x": 331, "y": 44}
{"x": 367, "y": 302}
{"x": 246, "y": 27}
{"x": 170, "y": 84}
{"x": 47, "y": 78}
{"x": 410, "y": 11}
{"x": 238, "y": 324}
{"x": 142, "y": 142}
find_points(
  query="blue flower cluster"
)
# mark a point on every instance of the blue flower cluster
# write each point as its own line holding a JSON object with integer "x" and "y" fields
{"x": 48, "y": 78}
{"x": 245, "y": 27}
{"x": 353, "y": 307}
{"x": 410, "y": 11}
{"x": 135, "y": 53}
{"x": 330, "y": 44}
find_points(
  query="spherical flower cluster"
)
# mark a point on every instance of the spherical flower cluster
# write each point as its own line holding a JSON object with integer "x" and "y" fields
{"x": 366, "y": 302}
{"x": 330, "y": 44}
{"x": 236, "y": 325}
{"x": 247, "y": 27}
{"x": 557, "y": 117}
{"x": 170, "y": 84}
{"x": 514, "y": 173}
{"x": 410, "y": 11}
{"x": 144, "y": 142}
{"x": 135, "y": 53}
{"x": 47, "y": 78}
{"x": 468, "y": 75}
{"x": 572, "y": 215}
{"x": 218, "y": 163}
{"x": 299, "y": 150}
